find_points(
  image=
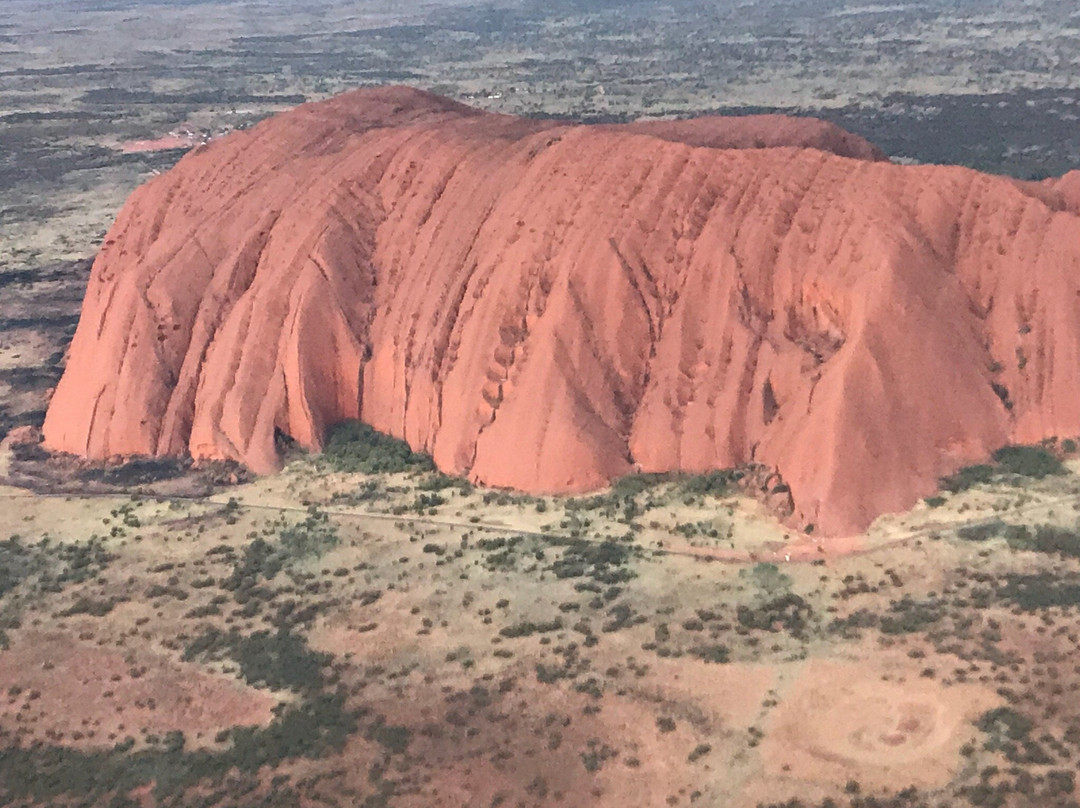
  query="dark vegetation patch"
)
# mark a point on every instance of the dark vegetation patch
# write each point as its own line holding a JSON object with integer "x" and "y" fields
{"x": 605, "y": 562}
{"x": 1009, "y": 463}
{"x": 527, "y": 628}
{"x": 355, "y": 447}
{"x": 1050, "y": 539}
{"x": 17, "y": 562}
{"x": 52, "y": 322}
{"x": 788, "y": 612}
{"x": 112, "y": 96}
{"x": 904, "y": 616}
{"x": 137, "y": 471}
{"x": 31, "y": 379}
{"x": 314, "y": 728}
{"x": 310, "y": 538}
{"x": 1037, "y": 591}
{"x": 1035, "y": 462}
{"x": 635, "y": 494}
{"x": 280, "y": 660}
{"x": 71, "y": 562}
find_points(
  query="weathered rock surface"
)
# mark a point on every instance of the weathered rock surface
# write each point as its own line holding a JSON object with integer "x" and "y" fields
{"x": 547, "y": 306}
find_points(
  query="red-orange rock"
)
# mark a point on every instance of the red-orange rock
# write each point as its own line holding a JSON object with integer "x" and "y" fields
{"x": 547, "y": 306}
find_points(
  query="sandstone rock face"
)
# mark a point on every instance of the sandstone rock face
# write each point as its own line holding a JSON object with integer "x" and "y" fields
{"x": 546, "y": 306}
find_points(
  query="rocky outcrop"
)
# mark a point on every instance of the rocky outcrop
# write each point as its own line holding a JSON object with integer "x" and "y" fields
{"x": 547, "y": 306}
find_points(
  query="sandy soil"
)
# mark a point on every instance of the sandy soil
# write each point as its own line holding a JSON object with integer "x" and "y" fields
{"x": 64, "y": 690}
{"x": 873, "y": 722}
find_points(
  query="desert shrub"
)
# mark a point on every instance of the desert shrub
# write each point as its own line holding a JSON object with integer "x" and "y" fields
{"x": 437, "y": 481}
{"x": 17, "y": 561}
{"x": 619, "y": 617}
{"x": 393, "y": 737}
{"x": 312, "y": 537}
{"x": 717, "y": 483}
{"x": 1059, "y": 540}
{"x": 788, "y": 612}
{"x": 767, "y": 577}
{"x": 1060, "y": 781}
{"x": 501, "y": 552}
{"x": 596, "y": 755}
{"x": 1018, "y": 536}
{"x": 718, "y": 654}
{"x": 313, "y": 728}
{"x": 908, "y": 615}
{"x": 137, "y": 471}
{"x": 527, "y": 628}
{"x": 259, "y": 560}
{"x": 426, "y": 501}
{"x": 981, "y": 532}
{"x": 605, "y": 562}
{"x": 698, "y": 752}
{"x": 1028, "y": 461}
{"x": 353, "y": 446}
{"x": 966, "y": 478}
{"x": 1005, "y": 721}
{"x": 631, "y": 485}
{"x": 90, "y": 606}
{"x": 1035, "y": 462}
{"x": 280, "y": 660}
{"x": 1039, "y": 591}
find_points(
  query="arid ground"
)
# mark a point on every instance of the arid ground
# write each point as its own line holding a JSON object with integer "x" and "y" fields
{"x": 345, "y": 635}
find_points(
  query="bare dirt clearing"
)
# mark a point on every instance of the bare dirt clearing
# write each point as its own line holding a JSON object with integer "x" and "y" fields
{"x": 878, "y": 725}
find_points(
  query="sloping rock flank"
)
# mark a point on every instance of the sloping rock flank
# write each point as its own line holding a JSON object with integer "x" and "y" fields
{"x": 546, "y": 306}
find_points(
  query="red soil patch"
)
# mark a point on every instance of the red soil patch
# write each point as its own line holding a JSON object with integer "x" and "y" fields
{"x": 56, "y": 689}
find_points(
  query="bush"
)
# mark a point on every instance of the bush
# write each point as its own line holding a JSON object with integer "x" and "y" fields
{"x": 966, "y": 478}
{"x": 718, "y": 654}
{"x": 440, "y": 482}
{"x": 788, "y": 612}
{"x": 259, "y": 560}
{"x": 527, "y": 628}
{"x": 718, "y": 483}
{"x": 279, "y": 660}
{"x": 1034, "y": 462}
{"x": 394, "y": 738}
{"x": 1005, "y": 721}
{"x": 1039, "y": 591}
{"x": 769, "y": 578}
{"x": 312, "y": 537}
{"x": 907, "y": 616}
{"x": 981, "y": 532}
{"x": 698, "y": 752}
{"x": 355, "y": 447}
{"x": 17, "y": 562}
{"x": 1028, "y": 461}
{"x": 55, "y": 775}
{"x": 633, "y": 484}
{"x": 604, "y": 562}
{"x": 1060, "y": 540}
